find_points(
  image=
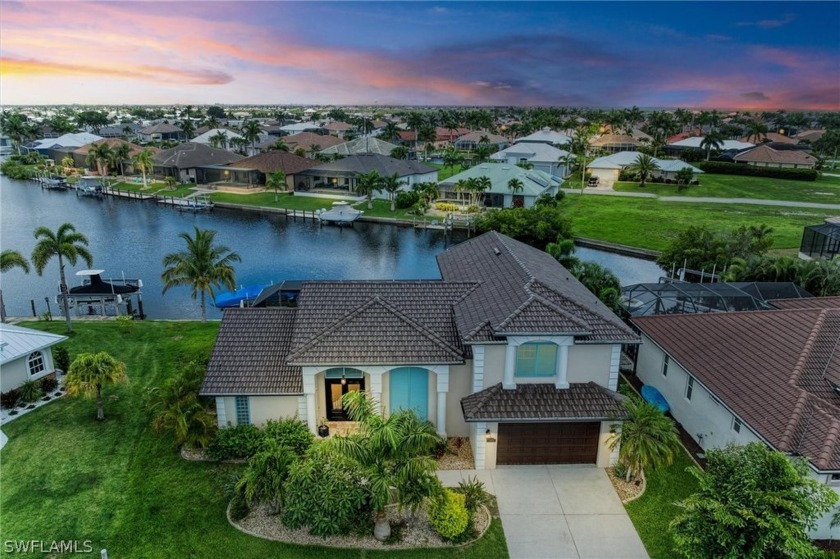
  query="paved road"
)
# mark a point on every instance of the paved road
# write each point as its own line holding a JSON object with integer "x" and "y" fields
{"x": 558, "y": 512}
{"x": 711, "y": 200}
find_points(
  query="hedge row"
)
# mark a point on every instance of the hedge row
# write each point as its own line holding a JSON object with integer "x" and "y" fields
{"x": 724, "y": 168}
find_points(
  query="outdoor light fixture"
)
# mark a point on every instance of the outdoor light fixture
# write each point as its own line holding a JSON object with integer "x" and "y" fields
{"x": 343, "y": 380}
{"x": 488, "y": 436}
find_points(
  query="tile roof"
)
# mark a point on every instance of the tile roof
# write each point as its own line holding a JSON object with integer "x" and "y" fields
{"x": 17, "y": 341}
{"x": 160, "y": 128}
{"x": 378, "y": 322}
{"x": 775, "y": 369}
{"x": 615, "y": 139}
{"x": 189, "y": 155}
{"x": 206, "y": 137}
{"x": 536, "y": 152}
{"x": 810, "y": 135}
{"x": 771, "y": 137}
{"x": 546, "y": 135}
{"x": 307, "y": 139}
{"x": 475, "y": 137}
{"x": 543, "y": 402}
{"x": 276, "y": 160}
{"x": 134, "y": 149}
{"x": 807, "y": 303}
{"x": 367, "y": 162}
{"x": 362, "y": 145}
{"x": 512, "y": 277}
{"x": 249, "y": 356}
{"x": 766, "y": 154}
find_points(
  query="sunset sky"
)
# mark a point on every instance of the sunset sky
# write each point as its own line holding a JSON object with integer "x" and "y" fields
{"x": 759, "y": 55}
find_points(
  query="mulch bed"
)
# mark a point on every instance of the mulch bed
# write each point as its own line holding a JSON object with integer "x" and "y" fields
{"x": 459, "y": 455}
{"x": 627, "y": 491}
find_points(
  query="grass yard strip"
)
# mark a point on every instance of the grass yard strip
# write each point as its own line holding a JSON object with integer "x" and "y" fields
{"x": 649, "y": 223}
{"x": 382, "y": 208}
{"x": 652, "y": 512}
{"x": 825, "y": 189}
{"x": 446, "y": 172}
{"x": 266, "y": 200}
{"x": 124, "y": 487}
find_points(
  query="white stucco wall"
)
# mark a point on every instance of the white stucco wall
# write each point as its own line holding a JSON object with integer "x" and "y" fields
{"x": 262, "y": 408}
{"x": 589, "y": 363}
{"x": 494, "y": 364}
{"x": 16, "y": 372}
{"x": 460, "y": 385}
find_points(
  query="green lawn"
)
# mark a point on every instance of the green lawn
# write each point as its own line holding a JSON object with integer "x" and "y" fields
{"x": 382, "y": 208}
{"x": 120, "y": 485}
{"x": 446, "y": 172}
{"x": 179, "y": 191}
{"x": 824, "y": 189}
{"x": 649, "y": 223}
{"x": 652, "y": 512}
{"x": 266, "y": 200}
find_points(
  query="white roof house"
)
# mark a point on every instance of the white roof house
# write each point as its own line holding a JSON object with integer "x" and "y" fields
{"x": 534, "y": 183}
{"x": 544, "y": 157}
{"x": 608, "y": 168}
{"x": 300, "y": 127}
{"x": 695, "y": 141}
{"x": 206, "y": 137}
{"x": 75, "y": 140}
{"x": 546, "y": 136}
{"x": 17, "y": 342}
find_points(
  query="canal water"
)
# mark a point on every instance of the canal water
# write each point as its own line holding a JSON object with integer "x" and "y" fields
{"x": 130, "y": 238}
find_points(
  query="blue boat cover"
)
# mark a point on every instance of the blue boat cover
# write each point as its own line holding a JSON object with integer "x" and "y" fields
{"x": 230, "y": 299}
{"x": 655, "y": 397}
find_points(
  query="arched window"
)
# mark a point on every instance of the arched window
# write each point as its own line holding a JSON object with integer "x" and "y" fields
{"x": 35, "y": 362}
{"x": 536, "y": 359}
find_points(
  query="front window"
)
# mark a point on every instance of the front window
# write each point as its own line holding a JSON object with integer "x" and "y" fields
{"x": 243, "y": 410}
{"x": 35, "y": 363}
{"x": 536, "y": 360}
{"x": 736, "y": 425}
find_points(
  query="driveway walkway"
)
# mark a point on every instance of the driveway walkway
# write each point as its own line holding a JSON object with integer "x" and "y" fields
{"x": 558, "y": 512}
{"x": 707, "y": 199}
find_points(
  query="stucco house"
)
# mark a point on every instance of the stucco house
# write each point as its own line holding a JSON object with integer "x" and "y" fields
{"x": 25, "y": 354}
{"x": 546, "y": 136}
{"x": 188, "y": 162}
{"x": 342, "y": 176}
{"x": 766, "y": 156}
{"x": 508, "y": 349}
{"x": 473, "y": 139}
{"x": 542, "y": 156}
{"x": 366, "y": 144}
{"x": 607, "y": 169}
{"x": 739, "y": 377}
{"x": 534, "y": 183}
{"x": 161, "y": 132}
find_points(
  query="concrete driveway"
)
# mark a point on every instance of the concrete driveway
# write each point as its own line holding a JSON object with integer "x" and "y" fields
{"x": 558, "y": 512}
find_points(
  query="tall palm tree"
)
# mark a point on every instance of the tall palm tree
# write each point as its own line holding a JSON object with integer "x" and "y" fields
{"x": 121, "y": 154}
{"x": 203, "y": 266}
{"x": 367, "y": 184}
{"x": 644, "y": 166}
{"x": 219, "y": 139}
{"x": 482, "y": 185}
{"x": 275, "y": 181}
{"x": 145, "y": 163}
{"x": 399, "y": 152}
{"x": 211, "y": 122}
{"x": 67, "y": 244}
{"x": 279, "y": 145}
{"x": 712, "y": 140}
{"x": 757, "y": 130}
{"x": 647, "y": 439}
{"x": 515, "y": 185}
{"x": 10, "y": 259}
{"x": 392, "y": 185}
{"x": 251, "y": 132}
{"x": 395, "y": 454}
{"x": 89, "y": 372}
{"x": 100, "y": 155}
{"x": 188, "y": 127}
{"x": 452, "y": 157}
{"x": 391, "y": 132}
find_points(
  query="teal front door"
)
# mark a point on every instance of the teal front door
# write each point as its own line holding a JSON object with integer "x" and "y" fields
{"x": 409, "y": 387}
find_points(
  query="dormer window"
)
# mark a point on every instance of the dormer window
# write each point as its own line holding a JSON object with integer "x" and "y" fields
{"x": 536, "y": 360}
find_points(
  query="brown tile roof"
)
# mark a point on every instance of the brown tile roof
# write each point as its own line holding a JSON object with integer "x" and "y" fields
{"x": 276, "y": 160}
{"x": 525, "y": 289}
{"x": 249, "y": 356}
{"x": 810, "y": 135}
{"x": 401, "y": 322}
{"x": 807, "y": 303}
{"x": 774, "y": 369}
{"x": 408, "y": 135}
{"x": 543, "y": 402}
{"x": 362, "y": 163}
{"x": 766, "y": 154}
{"x": 339, "y": 127}
{"x": 306, "y": 139}
{"x": 114, "y": 143}
{"x": 770, "y": 137}
{"x": 476, "y": 137}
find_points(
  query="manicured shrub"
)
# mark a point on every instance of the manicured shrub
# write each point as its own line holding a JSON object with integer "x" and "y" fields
{"x": 620, "y": 470}
{"x": 448, "y": 515}
{"x": 125, "y": 323}
{"x": 30, "y": 391}
{"x": 447, "y": 207}
{"x": 406, "y": 199}
{"x": 474, "y": 492}
{"x": 724, "y": 168}
{"x": 291, "y": 433}
{"x": 264, "y": 478}
{"x": 49, "y": 384}
{"x": 239, "y": 506}
{"x": 10, "y": 399}
{"x": 325, "y": 492}
{"x": 62, "y": 358}
{"x": 242, "y": 441}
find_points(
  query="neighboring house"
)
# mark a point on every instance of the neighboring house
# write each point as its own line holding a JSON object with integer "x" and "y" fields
{"x": 341, "y": 176}
{"x": 809, "y": 136}
{"x": 770, "y": 137}
{"x": 508, "y": 349}
{"x": 68, "y": 141}
{"x": 6, "y": 145}
{"x": 339, "y": 129}
{"x": 162, "y": 132}
{"x": 765, "y": 156}
{"x": 361, "y": 145}
{"x": 256, "y": 168}
{"x": 615, "y": 143}
{"x": 741, "y": 377}
{"x": 298, "y": 127}
{"x": 309, "y": 141}
{"x": 695, "y": 141}
{"x": 25, "y": 354}
{"x": 119, "y": 131}
{"x": 80, "y": 155}
{"x": 206, "y": 137}
{"x": 471, "y": 140}
{"x": 188, "y": 162}
{"x": 546, "y": 136}
{"x": 534, "y": 183}
{"x": 542, "y": 156}
{"x": 821, "y": 241}
{"x": 444, "y": 137}
{"x": 607, "y": 169}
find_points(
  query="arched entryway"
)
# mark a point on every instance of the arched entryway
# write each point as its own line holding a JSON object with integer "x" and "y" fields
{"x": 409, "y": 390}
{"x": 338, "y": 381}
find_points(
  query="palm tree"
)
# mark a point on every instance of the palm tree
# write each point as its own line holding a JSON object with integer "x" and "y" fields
{"x": 188, "y": 127}
{"x": 266, "y": 474}
{"x": 10, "y": 259}
{"x": 452, "y": 157}
{"x": 67, "y": 244}
{"x": 482, "y": 185}
{"x": 279, "y": 145}
{"x": 275, "y": 181}
{"x": 429, "y": 191}
{"x": 712, "y": 140}
{"x": 219, "y": 139}
{"x": 211, "y": 122}
{"x": 145, "y": 163}
{"x": 515, "y": 185}
{"x": 564, "y": 252}
{"x": 67, "y": 163}
{"x": 391, "y": 132}
{"x": 100, "y": 155}
{"x": 646, "y": 439}
{"x": 17, "y": 127}
{"x": 251, "y": 132}
{"x": 393, "y": 452}
{"x": 202, "y": 266}
{"x": 644, "y": 166}
{"x": 89, "y": 372}
{"x": 178, "y": 409}
{"x": 399, "y": 152}
{"x": 392, "y": 185}
{"x": 170, "y": 182}
{"x": 367, "y": 184}
{"x": 121, "y": 154}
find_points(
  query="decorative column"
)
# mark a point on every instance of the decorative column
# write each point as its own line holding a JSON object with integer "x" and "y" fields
{"x": 510, "y": 366}
{"x": 311, "y": 420}
{"x": 442, "y": 375}
{"x": 562, "y": 367}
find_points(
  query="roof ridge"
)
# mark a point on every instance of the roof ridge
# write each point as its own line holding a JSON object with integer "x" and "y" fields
{"x": 329, "y": 327}
{"x": 513, "y": 255}
{"x": 420, "y": 326}
{"x": 533, "y": 297}
{"x": 830, "y": 441}
{"x": 807, "y": 349}
{"x": 796, "y": 414}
